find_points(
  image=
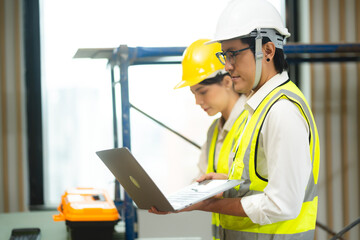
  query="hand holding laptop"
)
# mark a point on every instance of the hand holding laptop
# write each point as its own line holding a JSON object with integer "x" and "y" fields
{"x": 199, "y": 205}
{"x": 212, "y": 176}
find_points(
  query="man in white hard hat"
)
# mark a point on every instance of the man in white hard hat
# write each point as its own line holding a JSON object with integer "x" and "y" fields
{"x": 278, "y": 153}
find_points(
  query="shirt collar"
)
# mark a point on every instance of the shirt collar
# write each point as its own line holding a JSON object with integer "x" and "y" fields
{"x": 255, "y": 99}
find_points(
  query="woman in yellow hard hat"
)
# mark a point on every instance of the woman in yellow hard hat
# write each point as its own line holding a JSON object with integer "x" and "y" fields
{"x": 214, "y": 93}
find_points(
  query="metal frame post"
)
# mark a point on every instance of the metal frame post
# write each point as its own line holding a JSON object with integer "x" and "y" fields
{"x": 124, "y": 58}
{"x": 115, "y": 130}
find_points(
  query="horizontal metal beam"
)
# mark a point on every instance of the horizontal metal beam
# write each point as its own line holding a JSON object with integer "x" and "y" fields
{"x": 296, "y": 53}
{"x": 295, "y": 48}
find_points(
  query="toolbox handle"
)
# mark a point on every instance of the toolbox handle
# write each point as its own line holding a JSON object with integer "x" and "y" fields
{"x": 59, "y": 217}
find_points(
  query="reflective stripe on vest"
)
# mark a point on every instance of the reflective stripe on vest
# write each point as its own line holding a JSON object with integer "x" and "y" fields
{"x": 244, "y": 166}
{"x": 224, "y": 155}
{"x": 229, "y": 234}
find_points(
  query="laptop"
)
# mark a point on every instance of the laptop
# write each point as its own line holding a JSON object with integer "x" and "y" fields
{"x": 144, "y": 192}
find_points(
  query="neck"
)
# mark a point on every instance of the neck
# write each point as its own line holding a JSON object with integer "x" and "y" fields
{"x": 264, "y": 78}
{"x": 225, "y": 114}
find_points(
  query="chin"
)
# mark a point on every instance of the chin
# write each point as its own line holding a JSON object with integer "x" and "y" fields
{"x": 211, "y": 114}
{"x": 240, "y": 88}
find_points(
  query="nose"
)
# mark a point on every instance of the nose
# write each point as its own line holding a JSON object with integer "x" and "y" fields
{"x": 198, "y": 100}
{"x": 228, "y": 65}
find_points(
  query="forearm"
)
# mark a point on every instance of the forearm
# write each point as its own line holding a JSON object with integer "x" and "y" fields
{"x": 228, "y": 206}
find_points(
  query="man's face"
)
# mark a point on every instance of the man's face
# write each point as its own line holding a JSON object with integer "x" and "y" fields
{"x": 241, "y": 66}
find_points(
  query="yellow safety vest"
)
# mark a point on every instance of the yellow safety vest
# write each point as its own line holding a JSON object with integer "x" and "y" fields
{"x": 224, "y": 155}
{"x": 303, "y": 226}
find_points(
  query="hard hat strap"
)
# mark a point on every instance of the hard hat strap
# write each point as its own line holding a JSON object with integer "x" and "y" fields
{"x": 258, "y": 58}
{"x": 271, "y": 33}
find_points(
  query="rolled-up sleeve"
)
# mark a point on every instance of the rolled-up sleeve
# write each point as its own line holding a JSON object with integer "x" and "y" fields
{"x": 284, "y": 146}
{"x": 202, "y": 163}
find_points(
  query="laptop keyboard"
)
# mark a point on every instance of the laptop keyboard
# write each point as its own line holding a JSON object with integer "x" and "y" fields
{"x": 196, "y": 192}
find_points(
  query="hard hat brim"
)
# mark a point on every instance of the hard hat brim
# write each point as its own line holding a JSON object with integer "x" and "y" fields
{"x": 212, "y": 41}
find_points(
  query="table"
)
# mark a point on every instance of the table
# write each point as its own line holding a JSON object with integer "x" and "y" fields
{"x": 39, "y": 219}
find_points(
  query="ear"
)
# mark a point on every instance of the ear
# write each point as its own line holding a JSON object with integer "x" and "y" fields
{"x": 227, "y": 82}
{"x": 269, "y": 50}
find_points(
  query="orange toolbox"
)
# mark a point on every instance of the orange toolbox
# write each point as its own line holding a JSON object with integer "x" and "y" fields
{"x": 89, "y": 213}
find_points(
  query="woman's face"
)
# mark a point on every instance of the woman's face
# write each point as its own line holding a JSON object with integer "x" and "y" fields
{"x": 242, "y": 67}
{"x": 212, "y": 98}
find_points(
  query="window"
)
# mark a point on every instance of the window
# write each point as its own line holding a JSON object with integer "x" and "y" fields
{"x": 77, "y": 110}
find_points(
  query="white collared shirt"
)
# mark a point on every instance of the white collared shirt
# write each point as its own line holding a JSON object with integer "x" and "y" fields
{"x": 283, "y": 159}
{"x": 223, "y": 131}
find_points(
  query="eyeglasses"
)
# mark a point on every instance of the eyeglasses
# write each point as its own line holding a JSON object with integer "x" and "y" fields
{"x": 230, "y": 55}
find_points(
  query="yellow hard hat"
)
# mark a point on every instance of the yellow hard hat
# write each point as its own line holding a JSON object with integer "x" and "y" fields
{"x": 199, "y": 62}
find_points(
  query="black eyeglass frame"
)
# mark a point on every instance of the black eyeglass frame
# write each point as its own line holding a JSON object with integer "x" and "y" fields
{"x": 234, "y": 53}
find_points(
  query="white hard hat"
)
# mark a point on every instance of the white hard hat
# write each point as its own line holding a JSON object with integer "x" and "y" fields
{"x": 251, "y": 18}
{"x": 241, "y": 17}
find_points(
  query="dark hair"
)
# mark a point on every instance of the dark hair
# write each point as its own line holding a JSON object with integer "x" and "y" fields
{"x": 217, "y": 79}
{"x": 279, "y": 57}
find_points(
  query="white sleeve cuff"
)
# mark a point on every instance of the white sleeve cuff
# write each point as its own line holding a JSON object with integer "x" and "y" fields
{"x": 251, "y": 205}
